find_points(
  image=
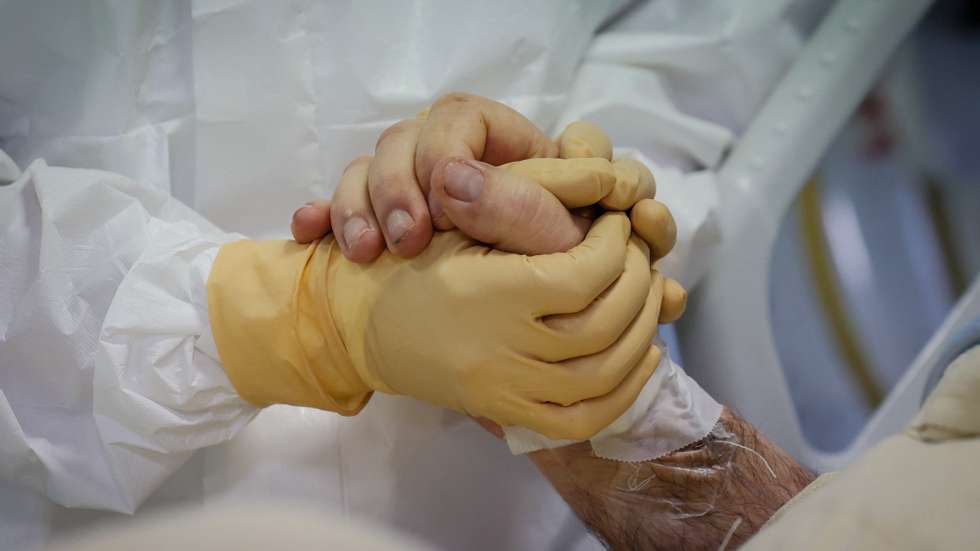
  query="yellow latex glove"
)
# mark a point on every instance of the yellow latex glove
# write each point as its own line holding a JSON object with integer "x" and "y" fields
{"x": 558, "y": 343}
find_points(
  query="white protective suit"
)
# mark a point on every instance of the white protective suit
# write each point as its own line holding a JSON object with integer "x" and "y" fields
{"x": 243, "y": 111}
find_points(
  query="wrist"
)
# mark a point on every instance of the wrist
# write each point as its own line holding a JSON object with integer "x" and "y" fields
{"x": 726, "y": 485}
{"x": 273, "y": 330}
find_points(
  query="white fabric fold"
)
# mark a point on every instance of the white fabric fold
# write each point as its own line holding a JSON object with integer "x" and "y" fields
{"x": 102, "y": 304}
{"x": 671, "y": 412}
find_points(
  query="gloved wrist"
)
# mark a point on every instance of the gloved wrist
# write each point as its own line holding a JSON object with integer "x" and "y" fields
{"x": 268, "y": 308}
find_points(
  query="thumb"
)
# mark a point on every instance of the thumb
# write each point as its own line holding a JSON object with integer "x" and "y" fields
{"x": 507, "y": 210}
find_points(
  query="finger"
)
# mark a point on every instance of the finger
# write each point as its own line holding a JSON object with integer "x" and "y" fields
{"x": 575, "y": 182}
{"x": 504, "y": 209}
{"x": 596, "y": 375}
{"x": 653, "y": 222}
{"x": 311, "y": 221}
{"x": 584, "y": 139}
{"x": 563, "y": 283}
{"x": 674, "y": 302}
{"x": 395, "y": 195}
{"x": 634, "y": 182}
{"x": 354, "y": 225}
{"x": 471, "y": 127}
{"x": 582, "y": 420}
{"x": 605, "y": 320}
{"x": 440, "y": 220}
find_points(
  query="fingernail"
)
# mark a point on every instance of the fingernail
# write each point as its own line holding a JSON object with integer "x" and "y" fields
{"x": 398, "y": 224}
{"x": 353, "y": 230}
{"x": 463, "y": 181}
{"x": 299, "y": 210}
{"x": 435, "y": 207}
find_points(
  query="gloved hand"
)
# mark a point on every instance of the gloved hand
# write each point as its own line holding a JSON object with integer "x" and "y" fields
{"x": 558, "y": 343}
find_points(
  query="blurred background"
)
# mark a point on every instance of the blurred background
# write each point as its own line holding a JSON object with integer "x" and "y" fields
{"x": 886, "y": 236}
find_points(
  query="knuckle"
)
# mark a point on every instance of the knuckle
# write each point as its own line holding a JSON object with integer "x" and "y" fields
{"x": 454, "y": 98}
{"x": 357, "y": 162}
{"x": 388, "y": 182}
{"x": 401, "y": 127}
{"x": 348, "y": 193}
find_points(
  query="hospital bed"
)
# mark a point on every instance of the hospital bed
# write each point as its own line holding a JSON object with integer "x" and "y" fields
{"x": 727, "y": 334}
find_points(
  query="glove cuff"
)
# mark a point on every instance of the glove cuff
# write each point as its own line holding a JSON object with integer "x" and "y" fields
{"x": 272, "y": 325}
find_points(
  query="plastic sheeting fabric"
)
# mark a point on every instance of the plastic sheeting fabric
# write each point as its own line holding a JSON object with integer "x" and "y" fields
{"x": 244, "y": 110}
{"x": 104, "y": 391}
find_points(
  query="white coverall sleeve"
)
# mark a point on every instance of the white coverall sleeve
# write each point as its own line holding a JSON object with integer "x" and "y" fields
{"x": 109, "y": 379}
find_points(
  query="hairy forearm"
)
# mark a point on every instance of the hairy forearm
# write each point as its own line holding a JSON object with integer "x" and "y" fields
{"x": 726, "y": 486}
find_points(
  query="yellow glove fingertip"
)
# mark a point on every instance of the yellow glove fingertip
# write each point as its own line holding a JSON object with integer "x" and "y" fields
{"x": 674, "y": 301}
{"x": 584, "y": 139}
{"x": 653, "y": 222}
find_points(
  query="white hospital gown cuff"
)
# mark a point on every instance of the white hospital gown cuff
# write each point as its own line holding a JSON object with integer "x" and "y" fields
{"x": 159, "y": 386}
{"x": 671, "y": 412}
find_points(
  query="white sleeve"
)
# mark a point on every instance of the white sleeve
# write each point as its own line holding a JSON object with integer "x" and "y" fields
{"x": 109, "y": 379}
